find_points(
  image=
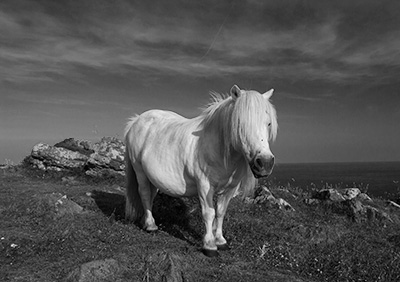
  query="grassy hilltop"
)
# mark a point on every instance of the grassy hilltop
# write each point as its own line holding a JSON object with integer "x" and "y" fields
{"x": 42, "y": 241}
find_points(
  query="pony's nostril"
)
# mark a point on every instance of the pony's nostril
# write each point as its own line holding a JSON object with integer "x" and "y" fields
{"x": 259, "y": 163}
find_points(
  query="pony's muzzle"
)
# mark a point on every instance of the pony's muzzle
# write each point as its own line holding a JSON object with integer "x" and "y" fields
{"x": 262, "y": 166}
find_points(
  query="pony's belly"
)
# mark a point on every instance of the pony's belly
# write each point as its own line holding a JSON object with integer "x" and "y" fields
{"x": 172, "y": 183}
{"x": 173, "y": 188}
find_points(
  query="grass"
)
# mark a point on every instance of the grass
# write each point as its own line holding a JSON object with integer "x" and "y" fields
{"x": 313, "y": 243}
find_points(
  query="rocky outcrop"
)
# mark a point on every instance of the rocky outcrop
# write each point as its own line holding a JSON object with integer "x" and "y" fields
{"x": 60, "y": 205}
{"x": 48, "y": 157}
{"x": 350, "y": 202}
{"x": 105, "y": 157}
{"x": 263, "y": 195}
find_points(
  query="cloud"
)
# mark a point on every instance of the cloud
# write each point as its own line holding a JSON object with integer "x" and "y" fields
{"x": 295, "y": 41}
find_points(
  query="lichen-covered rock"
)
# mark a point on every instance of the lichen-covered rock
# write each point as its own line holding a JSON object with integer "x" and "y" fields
{"x": 328, "y": 194}
{"x": 364, "y": 197}
{"x": 264, "y": 195}
{"x": 82, "y": 146}
{"x": 350, "y": 193}
{"x": 61, "y": 205}
{"x": 50, "y": 157}
{"x": 96, "y": 159}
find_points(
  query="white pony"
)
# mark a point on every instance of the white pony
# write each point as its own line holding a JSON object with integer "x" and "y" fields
{"x": 215, "y": 153}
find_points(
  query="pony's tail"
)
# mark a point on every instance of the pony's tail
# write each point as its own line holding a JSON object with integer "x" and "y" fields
{"x": 133, "y": 205}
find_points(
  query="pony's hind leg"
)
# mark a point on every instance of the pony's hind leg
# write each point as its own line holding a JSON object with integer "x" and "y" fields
{"x": 147, "y": 193}
{"x": 133, "y": 204}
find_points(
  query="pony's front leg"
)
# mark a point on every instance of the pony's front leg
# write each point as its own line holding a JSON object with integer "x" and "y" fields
{"x": 206, "y": 194}
{"x": 222, "y": 205}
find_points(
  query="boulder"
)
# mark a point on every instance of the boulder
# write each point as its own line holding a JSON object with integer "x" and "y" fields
{"x": 350, "y": 193}
{"x": 82, "y": 146}
{"x": 105, "y": 157}
{"x": 282, "y": 204}
{"x": 393, "y": 204}
{"x": 374, "y": 214}
{"x": 328, "y": 194}
{"x": 350, "y": 202}
{"x": 165, "y": 266}
{"x": 363, "y": 197}
{"x": 48, "y": 157}
{"x": 263, "y": 195}
{"x": 61, "y": 205}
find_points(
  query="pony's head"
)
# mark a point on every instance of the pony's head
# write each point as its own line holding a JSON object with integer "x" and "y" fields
{"x": 246, "y": 122}
{"x": 253, "y": 126}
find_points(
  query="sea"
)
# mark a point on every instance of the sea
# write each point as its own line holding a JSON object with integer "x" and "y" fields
{"x": 377, "y": 179}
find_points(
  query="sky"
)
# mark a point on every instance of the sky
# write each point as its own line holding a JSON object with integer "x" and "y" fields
{"x": 81, "y": 68}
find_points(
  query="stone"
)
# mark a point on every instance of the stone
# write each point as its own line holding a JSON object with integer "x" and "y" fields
{"x": 364, "y": 197}
{"x": 99, "y": 159}
{"x": 282, "y": 204}
{"x": 328, "y": 194}
{"x": 62, "y": 205}
{"x": 165, "y": 266}
{"x": 98, "y": 270}
{"x": 263, "y": 195}
{"x": 353, "y": 209}
{"x": 82, "y": 146}
{"x": 350, "y": 193}
{"x": 50, "y": 157}
{"x": 375, "y": 214}
{"x": 312, "y": 201}
{"x": 393, "y": 204}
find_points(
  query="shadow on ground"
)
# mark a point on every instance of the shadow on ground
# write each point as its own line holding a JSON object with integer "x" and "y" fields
{"x": 178, "y": 217}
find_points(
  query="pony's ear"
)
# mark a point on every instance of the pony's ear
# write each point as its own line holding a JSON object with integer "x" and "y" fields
{"x": 268, "y": 94}
{"x": 235, "y": 92}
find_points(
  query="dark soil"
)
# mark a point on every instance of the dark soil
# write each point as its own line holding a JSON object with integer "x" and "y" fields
{"x": 266, "y": 244}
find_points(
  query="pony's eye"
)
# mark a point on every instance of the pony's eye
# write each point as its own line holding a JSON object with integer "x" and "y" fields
{"x": 269, "y": 124}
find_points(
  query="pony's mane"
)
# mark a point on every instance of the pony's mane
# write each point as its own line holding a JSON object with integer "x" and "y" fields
{"x": 235, "y": 120}
{"x": 246, "y": 111}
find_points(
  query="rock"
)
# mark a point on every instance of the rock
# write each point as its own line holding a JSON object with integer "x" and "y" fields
{"x": 352, "y": 208}
{"x": 264, "y": 195}
{"x": 393, "y": 204}
{"x": 62, "y": 205}
{"x": 103, "y": 158}
{"x": 364, "y": 197}
{"x": 328, "y": 194}
{"x": 82, "y": 146}
{"x": 282, "y": 204}
{"x": 350, "y": 193}
{"x": 98, "y": 270}
{"x": 53, "y": 158}
{"x": 375, "y": 214}
{"x": 312, "y": 201}
{"x": 165, "y": 266}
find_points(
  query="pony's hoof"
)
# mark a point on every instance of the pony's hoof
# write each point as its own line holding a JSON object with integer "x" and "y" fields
{"x": 210, "y": 253}
{"x": 151, "y": 229}
{"x": 223, "y": 247}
